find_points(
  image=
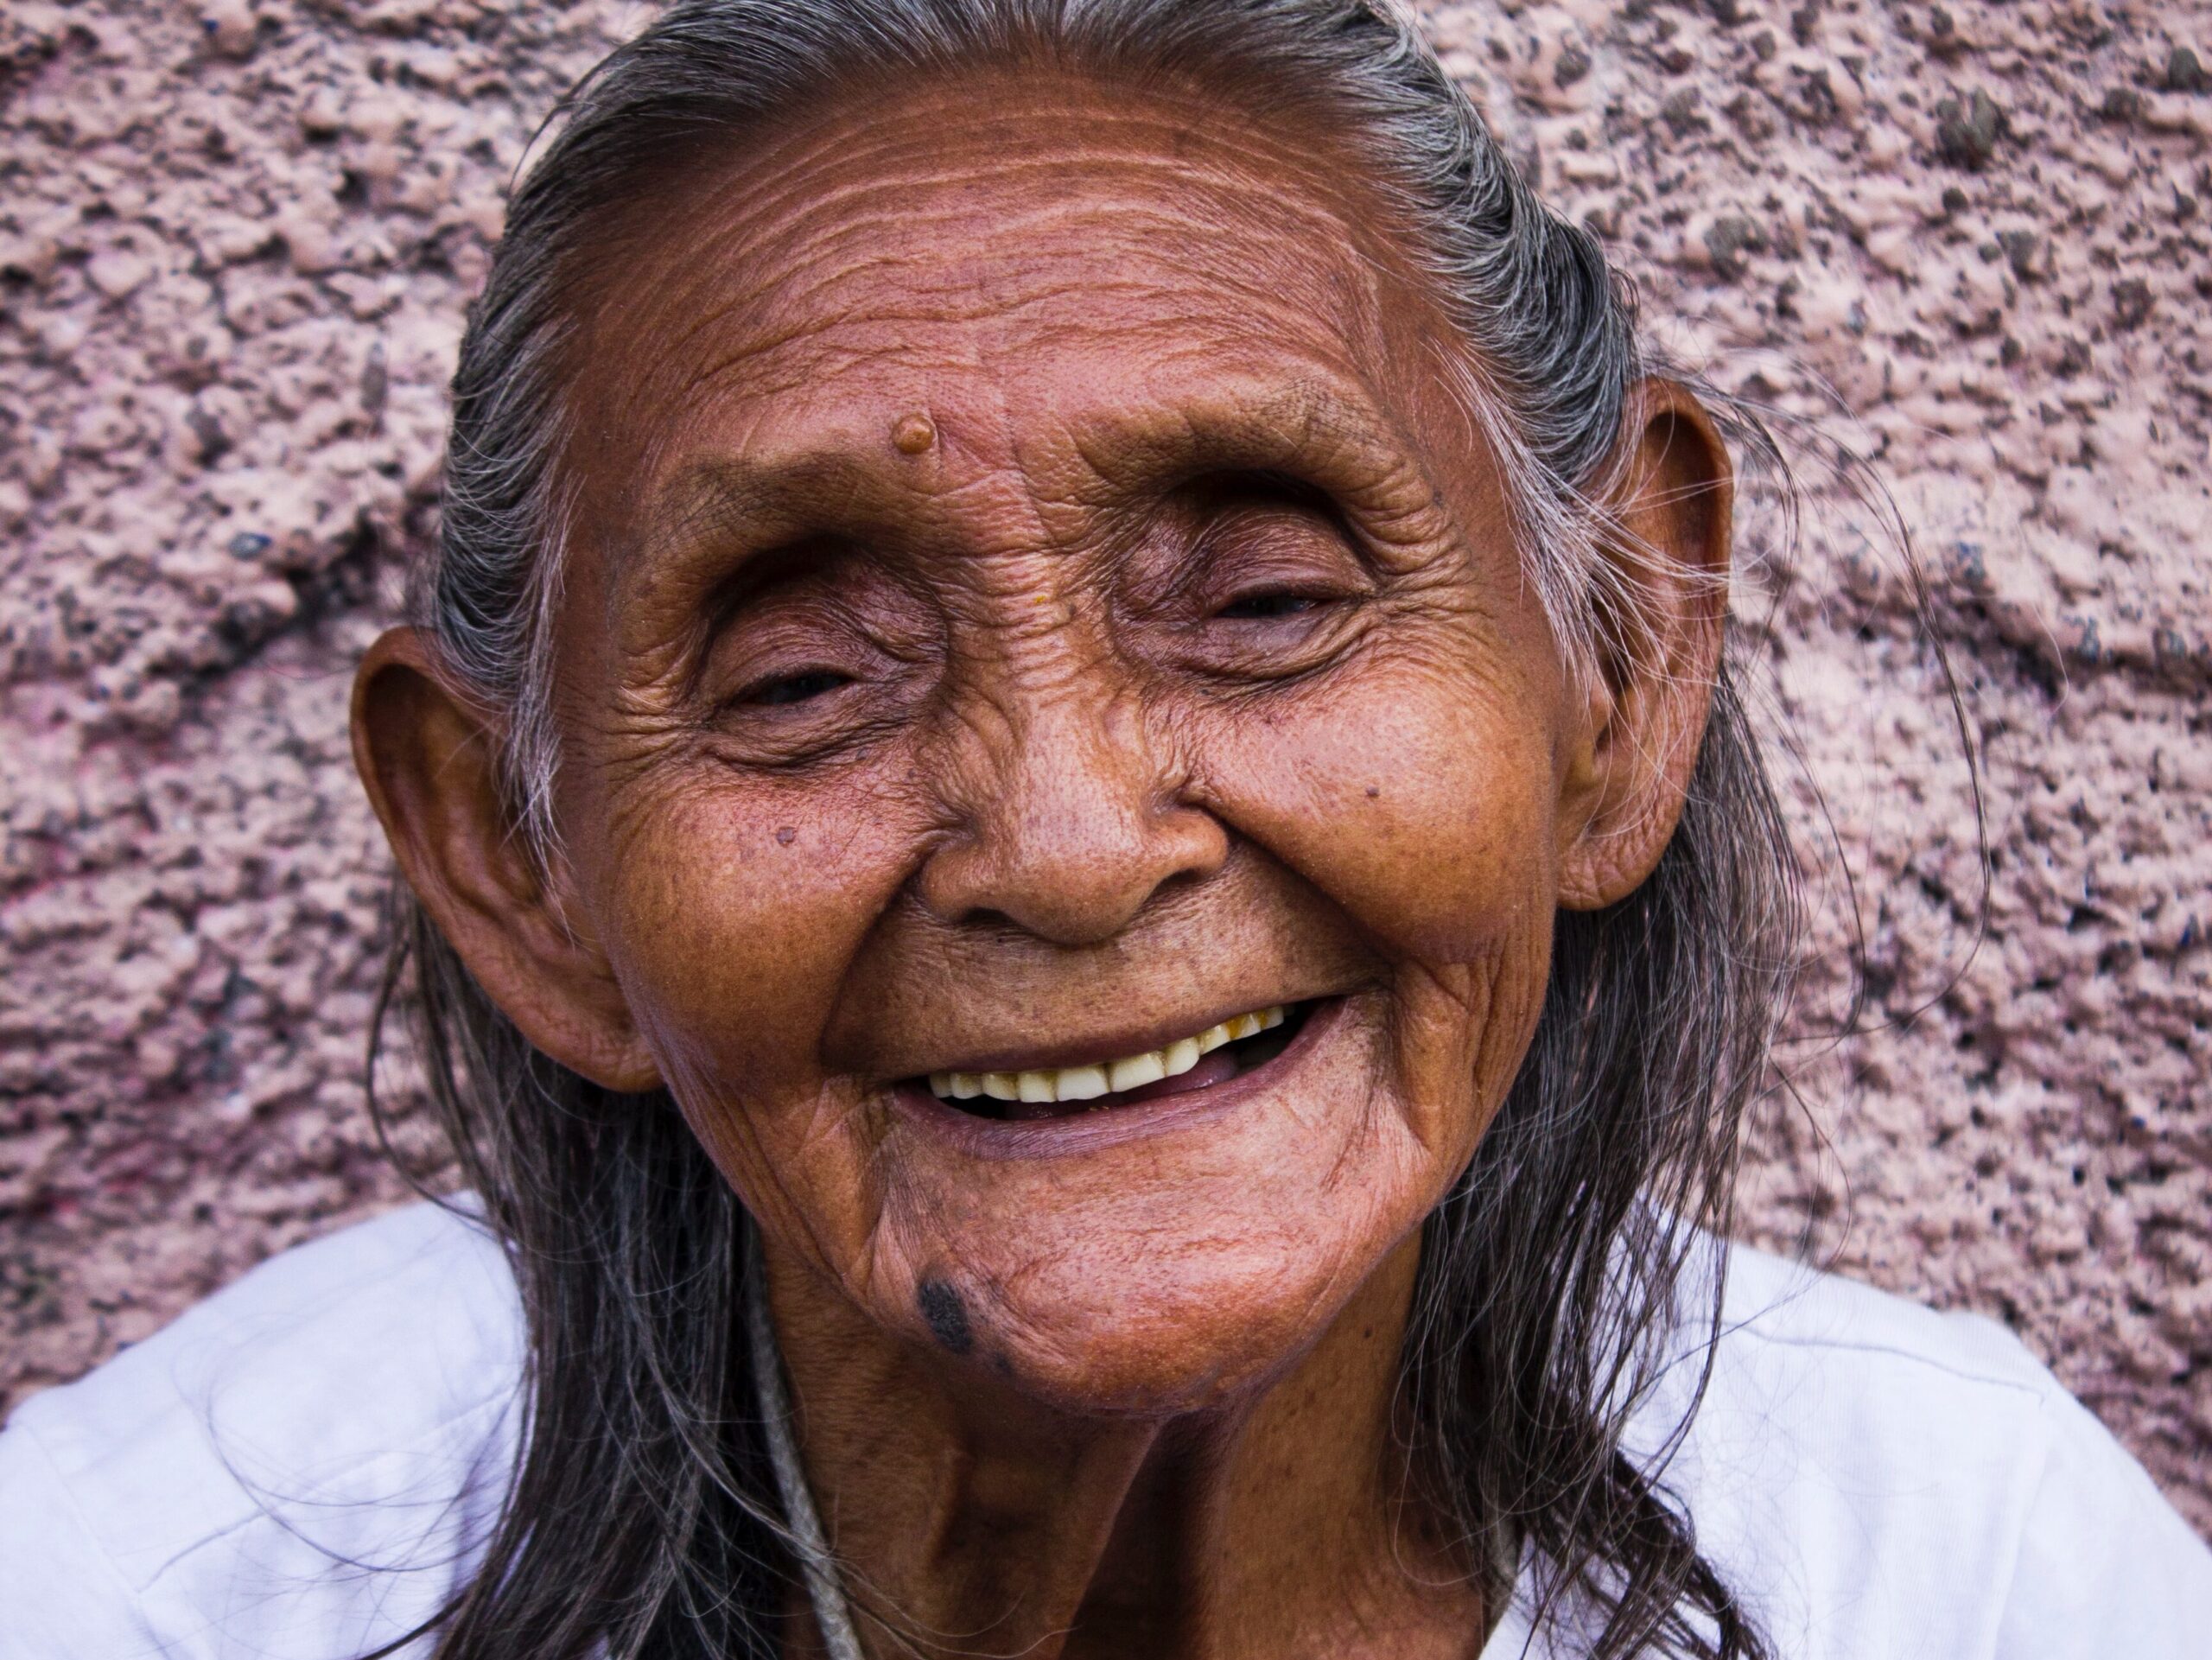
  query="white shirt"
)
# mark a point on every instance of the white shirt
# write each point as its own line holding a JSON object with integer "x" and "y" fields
{"x": 305, "y": 1465}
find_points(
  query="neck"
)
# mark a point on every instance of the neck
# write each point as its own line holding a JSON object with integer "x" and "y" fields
{"x": 970, "y": 1518}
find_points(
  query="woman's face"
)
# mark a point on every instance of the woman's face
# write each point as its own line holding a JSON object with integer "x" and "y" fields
{"x": 1030, "y": 600}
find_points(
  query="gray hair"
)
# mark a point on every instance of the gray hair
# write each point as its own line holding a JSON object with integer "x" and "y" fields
{"x": 1544, "y": 355}
{"x": 642, "y": 1521}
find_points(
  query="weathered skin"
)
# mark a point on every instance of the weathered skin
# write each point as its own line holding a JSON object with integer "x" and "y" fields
{"x": 1031, "y": 599}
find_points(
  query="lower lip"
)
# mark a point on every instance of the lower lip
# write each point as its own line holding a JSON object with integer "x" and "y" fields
{"x": 1099, "y": 1126}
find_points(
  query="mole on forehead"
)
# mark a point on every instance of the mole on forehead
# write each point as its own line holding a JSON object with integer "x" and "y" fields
{"x": 1300, "y": 423}
{"x": 709, "y": 514}
{"x": 861, "y": 392}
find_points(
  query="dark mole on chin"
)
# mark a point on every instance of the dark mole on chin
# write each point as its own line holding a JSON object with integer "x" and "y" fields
{"x": 945, "y": 1315}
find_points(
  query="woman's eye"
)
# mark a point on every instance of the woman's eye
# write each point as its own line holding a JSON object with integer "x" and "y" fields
{"x": 1263, "y": 607}
{"x": 795, "y": 688}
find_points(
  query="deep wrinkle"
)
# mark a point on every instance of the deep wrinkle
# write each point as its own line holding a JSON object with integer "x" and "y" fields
{"x": 1320, "y": 433}
{"x": 1049, "y": 798}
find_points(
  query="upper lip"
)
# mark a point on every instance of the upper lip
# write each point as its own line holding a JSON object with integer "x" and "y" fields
{"x": 1097, "y": 1051}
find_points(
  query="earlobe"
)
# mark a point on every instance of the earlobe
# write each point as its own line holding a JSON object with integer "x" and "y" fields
{"x": 1629, "y": 772}
{"x": 427, "y": 755}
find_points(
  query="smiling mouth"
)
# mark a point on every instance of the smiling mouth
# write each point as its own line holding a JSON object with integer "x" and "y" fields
{"x": 1226, "y": 1049}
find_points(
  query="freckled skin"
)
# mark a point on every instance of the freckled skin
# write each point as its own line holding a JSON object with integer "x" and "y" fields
{"x": 1176, "y": 663}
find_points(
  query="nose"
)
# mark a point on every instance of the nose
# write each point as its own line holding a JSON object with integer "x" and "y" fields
{"x": 1070, "y": 822}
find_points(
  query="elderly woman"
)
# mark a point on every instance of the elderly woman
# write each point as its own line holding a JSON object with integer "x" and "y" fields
{"x": 1091, "y": 916}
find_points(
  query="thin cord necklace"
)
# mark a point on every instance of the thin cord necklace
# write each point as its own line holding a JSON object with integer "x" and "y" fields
{"x": 833, "y": 1614}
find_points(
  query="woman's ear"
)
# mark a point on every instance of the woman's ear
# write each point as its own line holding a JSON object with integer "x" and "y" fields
{"x": 1631, "y": 767}
{"x": 427, "y": 757}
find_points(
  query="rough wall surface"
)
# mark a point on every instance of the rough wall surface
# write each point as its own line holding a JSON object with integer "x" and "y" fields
{"x": 234, "y": 248}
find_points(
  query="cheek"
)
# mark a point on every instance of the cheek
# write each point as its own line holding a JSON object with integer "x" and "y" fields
{"x": 734, "y": 912}
{"x": 1417, "y": 796}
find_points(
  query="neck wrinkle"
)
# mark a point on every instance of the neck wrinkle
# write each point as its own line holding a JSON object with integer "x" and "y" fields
{"x": 971, "y": 1520}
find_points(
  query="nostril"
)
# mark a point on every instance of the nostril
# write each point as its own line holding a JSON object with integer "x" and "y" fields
{"x": 1068, "y": 878}
{"x": 984, "y": 919}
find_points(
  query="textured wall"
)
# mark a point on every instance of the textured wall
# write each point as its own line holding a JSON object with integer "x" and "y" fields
{"x": 234, "y": 246}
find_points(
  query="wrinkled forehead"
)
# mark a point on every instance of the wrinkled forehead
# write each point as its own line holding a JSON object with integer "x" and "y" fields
{"x": 1064, "y": 278}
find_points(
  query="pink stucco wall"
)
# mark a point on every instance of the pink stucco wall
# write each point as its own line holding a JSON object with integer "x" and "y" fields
{"x": 234, "y": 246}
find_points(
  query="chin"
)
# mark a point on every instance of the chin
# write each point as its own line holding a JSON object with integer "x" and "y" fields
{"x": 1160, "y": 1327}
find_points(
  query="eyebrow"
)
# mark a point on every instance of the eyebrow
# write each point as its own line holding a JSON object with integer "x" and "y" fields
{"x": 718, "y": 494}
{"x": 1238, "y": 426}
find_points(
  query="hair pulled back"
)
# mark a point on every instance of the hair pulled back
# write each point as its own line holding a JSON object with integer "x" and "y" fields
{"x": 642, "y": 1521}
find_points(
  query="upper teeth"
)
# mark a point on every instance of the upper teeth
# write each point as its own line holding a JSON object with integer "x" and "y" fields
{"x": 1087, "y": 1083}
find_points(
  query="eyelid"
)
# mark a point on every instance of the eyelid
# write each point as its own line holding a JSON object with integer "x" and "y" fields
{"x": 1220, "y": 574}
{"x": 883, "y": 656}
{"x": 765, "y": 637}
{"x": 836, "y": 722}
{"x": 747, "y": 695}
{"x": 835, "y": 644}
{"x": 1294, "y": 650}
{"x": 754, "y": 581}
{"x": 1259, "y": 651}
{"x": 853, "y": 612}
